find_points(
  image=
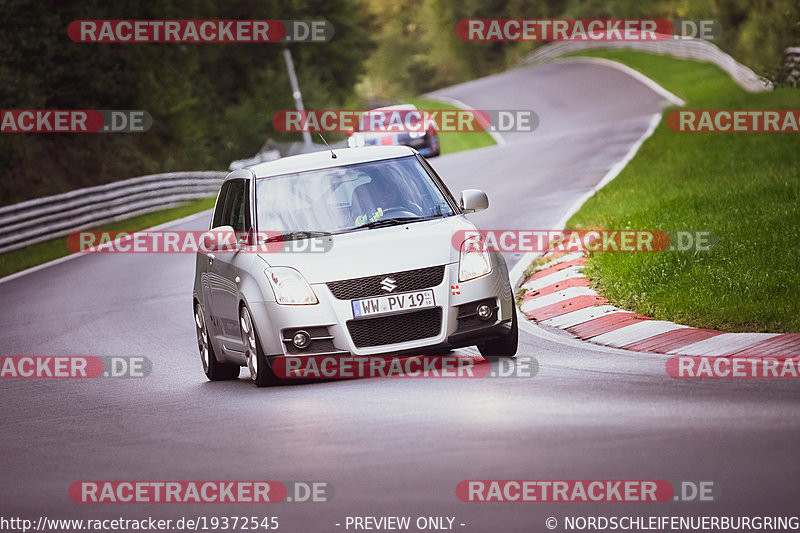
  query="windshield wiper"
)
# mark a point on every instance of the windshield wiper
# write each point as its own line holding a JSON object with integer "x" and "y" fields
{"x": 391, "y": 222}
{"x": 294, "y": 235}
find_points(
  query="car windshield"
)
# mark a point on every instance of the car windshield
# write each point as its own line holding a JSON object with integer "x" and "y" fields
{"x": 348, "y": 198}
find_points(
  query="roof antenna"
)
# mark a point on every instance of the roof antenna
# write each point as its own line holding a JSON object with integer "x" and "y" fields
{"x": 333, "y": 155}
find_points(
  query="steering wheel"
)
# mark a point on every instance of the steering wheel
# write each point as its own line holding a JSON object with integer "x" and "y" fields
{"x": 398, "y": 211}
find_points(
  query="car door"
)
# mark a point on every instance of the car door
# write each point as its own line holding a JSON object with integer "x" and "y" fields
{"x": 223, "y": 285}
{"x": 206, "y": 266}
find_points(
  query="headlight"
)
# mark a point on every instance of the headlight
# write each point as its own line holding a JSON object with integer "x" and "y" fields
{"x": 290, "y": 287}
{"x": 416, "y": 133}
{"x": 474, "y": 261}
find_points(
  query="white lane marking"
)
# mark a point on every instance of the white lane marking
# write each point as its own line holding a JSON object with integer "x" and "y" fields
{"x": 580, "y": 316}
{"x": 524, "y": 261}
{"x": 633, "y": 73}
{"x": 69, "y": 257}
{"x": 555, "y": 297}
{"x": 635, "y": 332}
{"x": 719, "y": 345}
{"x": 614, "y": 171}
{"x": 555, "y": 277}
{"x": 515, "y": 273}
{"x": 458, "y": 103}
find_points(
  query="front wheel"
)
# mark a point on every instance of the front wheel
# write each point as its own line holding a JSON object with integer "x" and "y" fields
{"x": 505, "y": 346}
{"x": 260, "y": 371}
{"x": 214, "y": 370}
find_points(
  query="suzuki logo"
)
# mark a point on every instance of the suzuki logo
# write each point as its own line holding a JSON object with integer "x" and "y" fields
{"x": 388, "y": 284}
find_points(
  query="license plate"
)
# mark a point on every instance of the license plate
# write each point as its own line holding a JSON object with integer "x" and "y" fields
{"x": 380, "y": 305}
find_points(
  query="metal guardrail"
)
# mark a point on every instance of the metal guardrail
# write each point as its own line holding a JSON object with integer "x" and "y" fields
{"x": 697, "y": 49}
{"x": 56, "y": 216}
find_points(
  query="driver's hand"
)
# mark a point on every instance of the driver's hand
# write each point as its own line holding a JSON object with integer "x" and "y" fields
{"x": 362, "y": 219}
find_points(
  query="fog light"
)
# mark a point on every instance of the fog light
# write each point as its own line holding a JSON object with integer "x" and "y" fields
{"x": 301, "y": 339}
{"x": 484, "y": 312}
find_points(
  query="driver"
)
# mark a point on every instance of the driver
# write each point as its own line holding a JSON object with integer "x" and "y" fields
{"x": 371, "y": 200}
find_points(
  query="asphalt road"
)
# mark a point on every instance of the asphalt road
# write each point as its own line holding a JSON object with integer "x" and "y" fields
{"x": 389, "y": 446}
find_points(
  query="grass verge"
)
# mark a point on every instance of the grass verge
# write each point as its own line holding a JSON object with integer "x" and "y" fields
{"x": 745, "y": 187}
{"x": 456, "y": 141}
{"x": 39, "y": 253}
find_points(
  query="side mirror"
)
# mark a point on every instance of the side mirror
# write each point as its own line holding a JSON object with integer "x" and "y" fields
{"x": 223, "y": 238}
{"x": 473, "y": 200}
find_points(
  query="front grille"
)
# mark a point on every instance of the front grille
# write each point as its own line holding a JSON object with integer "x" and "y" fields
{"x": 396, "y": 328}
{"x": 408, "y": 280}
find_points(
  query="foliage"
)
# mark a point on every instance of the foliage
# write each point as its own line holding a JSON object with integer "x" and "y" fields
{"x": 211, "y": 103}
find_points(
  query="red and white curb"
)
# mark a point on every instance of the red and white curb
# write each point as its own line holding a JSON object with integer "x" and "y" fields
{"x": 558, "y": 295}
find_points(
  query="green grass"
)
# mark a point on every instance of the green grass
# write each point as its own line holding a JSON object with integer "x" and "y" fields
{"x": 452, "y": 142}
{"x": 745, "y": 187}
{"x": 42, "y": 252}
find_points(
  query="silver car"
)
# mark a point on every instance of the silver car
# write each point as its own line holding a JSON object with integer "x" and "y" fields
{"x": 352, "y": 252}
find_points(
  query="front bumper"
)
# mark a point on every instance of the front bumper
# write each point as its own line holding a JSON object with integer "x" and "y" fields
{"x": 452, "y": 323}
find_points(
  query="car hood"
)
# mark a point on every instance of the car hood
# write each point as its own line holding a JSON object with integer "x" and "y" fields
{"x": 379, "y": 251}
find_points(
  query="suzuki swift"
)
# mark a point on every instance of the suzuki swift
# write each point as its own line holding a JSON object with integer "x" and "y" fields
{"x": 352, "y": 252}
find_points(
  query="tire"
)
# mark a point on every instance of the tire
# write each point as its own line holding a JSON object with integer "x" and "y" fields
{"x": 505, "y": 346}
{"x": 214, "y": 370}
{"x": 260, "y": 371}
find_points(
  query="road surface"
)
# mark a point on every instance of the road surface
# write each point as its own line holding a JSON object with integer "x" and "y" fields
{"x": 389, "y": 446}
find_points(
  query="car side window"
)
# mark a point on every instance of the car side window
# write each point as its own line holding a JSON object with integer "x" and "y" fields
{"x": 216, "y": 220}
{"x": 235, "y": 211}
